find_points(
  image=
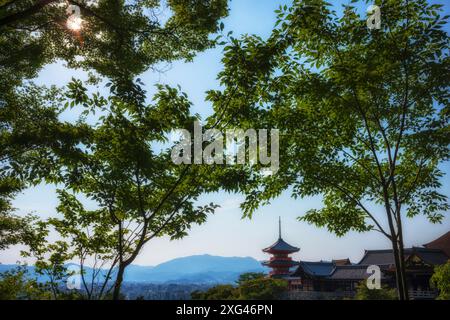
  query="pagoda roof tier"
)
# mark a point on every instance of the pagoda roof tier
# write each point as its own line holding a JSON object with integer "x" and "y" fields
{"x": 281, "y": 247}
{"x": 283, "y": 263}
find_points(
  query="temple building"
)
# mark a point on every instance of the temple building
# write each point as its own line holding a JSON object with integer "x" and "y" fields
{"x": 340, "y": 278}
{"x": 280, "y": 262}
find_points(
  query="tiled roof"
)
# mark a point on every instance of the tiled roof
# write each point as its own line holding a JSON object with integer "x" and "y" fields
{"x": 386, "y": 257}
{"x": 383, "y": 258}
{"x": 354, "y": 272}
{"x": 378, "y": 257}
{"x": 318, "y": 269}
{"x": 430, "y": 256}
{"x": 280, "y": 262}
{"x": 342, "y": 262}
{"x": 281, "y": 246}
{"x": 442, "y": 243}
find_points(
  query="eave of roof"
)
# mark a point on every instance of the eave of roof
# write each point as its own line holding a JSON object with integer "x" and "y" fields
{"x": 342, "y": 262}
{"x": 442, "y": 243}
{"x": 386, "y": 256}
{"x": 280, "y": 263}
{"x": 444, "y": 238}
{"x": 350, "y": 272}
{"x": 282, "y": 247}
{"x": 318, "y": 269}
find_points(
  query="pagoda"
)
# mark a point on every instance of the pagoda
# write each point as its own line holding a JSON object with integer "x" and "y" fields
{"x": 280, "y": 262}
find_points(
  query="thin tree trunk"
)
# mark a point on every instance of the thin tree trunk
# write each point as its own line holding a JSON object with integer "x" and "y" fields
{"x": 398, "y": 271}
{"x": 119, "y": 278}
{"x": 118, "y": 282}
{"x": 105, "y": 283}
{"x": 402, "y": 258}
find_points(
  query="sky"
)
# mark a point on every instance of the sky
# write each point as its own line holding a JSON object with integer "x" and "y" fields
{"x": 226, "y": 233}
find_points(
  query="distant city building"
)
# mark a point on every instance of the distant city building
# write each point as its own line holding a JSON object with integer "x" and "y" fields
{"x": 340, "y": 278}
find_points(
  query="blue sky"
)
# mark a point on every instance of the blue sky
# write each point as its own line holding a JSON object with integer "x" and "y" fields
{"x": 225, "y": 233}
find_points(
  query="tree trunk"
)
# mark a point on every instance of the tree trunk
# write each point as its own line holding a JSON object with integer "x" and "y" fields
{"x": 394, "y": 240}
{"x": 118, "y": 282}
{"x": 402, "y": 258}
{"x": 399, "y": 277}
{"x": 398, "y": 271}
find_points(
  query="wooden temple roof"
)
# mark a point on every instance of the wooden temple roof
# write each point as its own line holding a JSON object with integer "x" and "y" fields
{"x": 442, "y": 243}
{"x": 386, "y": 257}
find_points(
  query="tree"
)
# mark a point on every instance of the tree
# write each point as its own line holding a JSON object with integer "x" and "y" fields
{"x": 250, "y": 276}
{"x": 219, "y": 292}
{"x": 29, "y": 132}
{"x": 250, "y": 286}
{"x": 441, "y": 281}
{"x": 260, "y": 287}
{"x": 31, "y": 137}
{"x": 140, "y": 193}
{"x": 116, "y": 40}
{"x": 16, "y": 285}
{"x": 90, "y": 236}
{"x": 384, "y": 293}
{"x": 20, "y": 284}
{"x": 50, "y": 258}
{"x": 363, "y": 114}
{"x": 13, "y": 228}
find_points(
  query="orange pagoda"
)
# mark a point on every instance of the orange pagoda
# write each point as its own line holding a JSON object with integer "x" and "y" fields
{"x": 280, "y": 262}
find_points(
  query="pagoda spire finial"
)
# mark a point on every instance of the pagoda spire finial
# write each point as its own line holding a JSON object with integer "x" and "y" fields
{"x": 279, "y": 227}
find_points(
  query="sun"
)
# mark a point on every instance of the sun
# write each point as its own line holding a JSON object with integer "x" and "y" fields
{"x": 74, "y": 23}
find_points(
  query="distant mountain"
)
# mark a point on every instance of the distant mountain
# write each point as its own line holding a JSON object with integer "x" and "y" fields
{"x": 195, "y": 269}
{"x": 207, "y": 263}
{"x": 200, "y": 269}
{"x": 29, "y": 269}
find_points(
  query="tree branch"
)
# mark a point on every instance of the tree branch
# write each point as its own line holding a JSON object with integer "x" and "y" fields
{"x": 39, "y": 5}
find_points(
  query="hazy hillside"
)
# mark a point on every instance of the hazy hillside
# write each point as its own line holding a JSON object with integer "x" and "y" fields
{"x": 201, "y": 269}
{"x": 195, "y": 269}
